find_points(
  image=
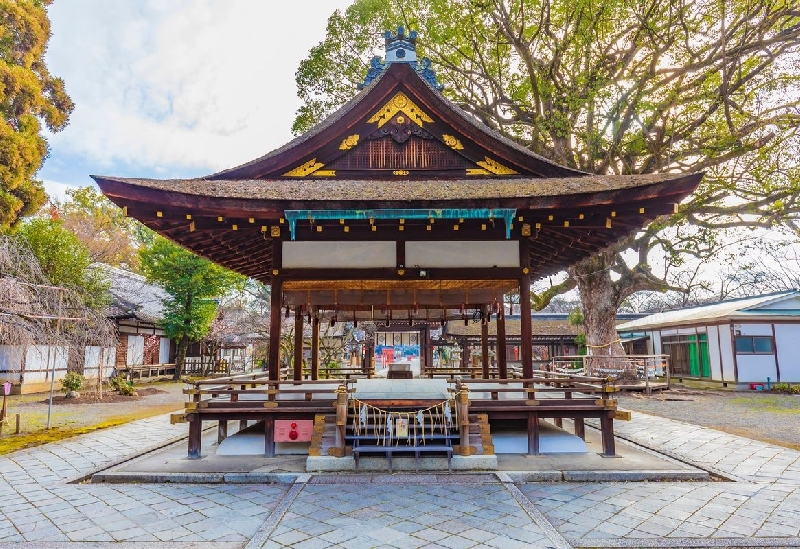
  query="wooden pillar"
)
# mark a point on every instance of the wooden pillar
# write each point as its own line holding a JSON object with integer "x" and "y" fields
{"x": 464, "y": 357}
{"x": 580, "y": 428}
{"x": 526, "y": 335}
{"x": 195, "y": 436}
{"x": 502, "y": 365}
{"x": 607, "y": 431}
{"x": 369, "y": 356}
{"x": 269, "y": 436}
{"x": 533, "y": 434}
{"x": 428, "y": 347}
{"x": 485, "y": 342}
{"x": 315, "y": 348}
{"x": 222, "y": 430}
{"x": 298, "y": 344}
{"x": 275, "y": 329}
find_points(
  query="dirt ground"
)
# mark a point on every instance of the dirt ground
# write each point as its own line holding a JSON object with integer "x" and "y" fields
{"x": 70, "y": 417}
{"x": 765, "y": 416}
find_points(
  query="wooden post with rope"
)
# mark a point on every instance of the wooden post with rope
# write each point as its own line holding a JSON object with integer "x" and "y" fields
{"x": 462, "y": 402}
{"x": 341, "y": 420}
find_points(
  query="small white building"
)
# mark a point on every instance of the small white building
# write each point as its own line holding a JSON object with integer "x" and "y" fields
{"x": 747, "y": 342}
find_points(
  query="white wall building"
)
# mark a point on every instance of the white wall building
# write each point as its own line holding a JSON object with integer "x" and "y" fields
{"x": 749, "y": 341}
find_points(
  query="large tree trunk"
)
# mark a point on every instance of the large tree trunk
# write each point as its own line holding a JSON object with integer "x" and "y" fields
{"x": 180, "y": 356}
{"x": 600, "y": 299}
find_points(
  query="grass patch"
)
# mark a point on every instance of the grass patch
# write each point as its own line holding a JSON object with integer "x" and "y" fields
{"x": 11, "y": 442}
{"x": 776, "y": 404}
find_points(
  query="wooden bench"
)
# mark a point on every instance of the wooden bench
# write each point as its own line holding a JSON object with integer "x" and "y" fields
{"x": 444, "y": 446}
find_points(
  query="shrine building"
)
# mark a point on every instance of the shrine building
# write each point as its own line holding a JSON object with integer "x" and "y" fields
{"x": 399, "y": 209}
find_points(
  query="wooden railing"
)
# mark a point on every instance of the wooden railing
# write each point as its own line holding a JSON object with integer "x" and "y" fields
{"x": 628, "y": 369}
{"x": 552, "y": 395}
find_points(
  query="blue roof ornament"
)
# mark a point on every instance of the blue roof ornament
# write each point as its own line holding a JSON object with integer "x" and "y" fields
{"x": 401, "y": 48}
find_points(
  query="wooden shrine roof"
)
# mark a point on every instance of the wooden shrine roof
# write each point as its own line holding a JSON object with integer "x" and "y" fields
{"x": 397, "y": 193}
{"x": 398, "y": 145}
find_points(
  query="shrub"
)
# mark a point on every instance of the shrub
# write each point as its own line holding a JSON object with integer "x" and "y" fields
{"x": 122, "y": 385}
{"x": 781, "y": 388}
{"x": 72, "y": 381}
{"x": 796, "y": 389}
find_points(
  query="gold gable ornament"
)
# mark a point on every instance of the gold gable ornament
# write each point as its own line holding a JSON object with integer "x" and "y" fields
{"x": 400, "y": 103}
{"x": 312, "y": 166}
{"x": 349, "y": 142}
{"x": 495, "y": 167}
{"x": 452, "y": 142}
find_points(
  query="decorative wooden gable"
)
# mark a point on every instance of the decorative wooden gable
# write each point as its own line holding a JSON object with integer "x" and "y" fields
{"x": 400, "y": 125}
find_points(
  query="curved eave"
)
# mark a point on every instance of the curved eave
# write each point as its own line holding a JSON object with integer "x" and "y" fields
{"x": 275, "y": 196}
{"x": 230, "y": 222}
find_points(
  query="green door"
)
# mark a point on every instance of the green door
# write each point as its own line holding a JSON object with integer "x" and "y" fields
{"x": 694, "y": 362}
{"x": 705, "y": 362}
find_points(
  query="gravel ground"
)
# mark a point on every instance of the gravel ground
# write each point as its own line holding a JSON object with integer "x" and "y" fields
{"x": 768, "y": 417}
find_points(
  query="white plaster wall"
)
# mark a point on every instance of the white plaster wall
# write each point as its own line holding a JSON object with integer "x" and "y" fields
{"x": 726, "y": 353}
{"x": 756, "y": 368}
{"x": 500, "y": 253}
{"x": 163, "y": 350}
{"x": 92, "y": 359}
{"x": 39, "y": 365}
{"x": 655, "y": 337}
{"x": 10, "y": 362}
{"x": 135, "y": 350}
{"x": 714, "y": 354}
{"x": 339, "y": 255}
{"x": 759, "y": 329}
{"x": 787, "y": 345}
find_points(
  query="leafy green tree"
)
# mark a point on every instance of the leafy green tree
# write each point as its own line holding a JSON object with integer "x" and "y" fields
{"x": 64, "y": 260}
{"x": 610, "y": 86}
{"x": 29, "y": 95}
{"x": 108, "y": 235}
{"x": 194, "y": 285}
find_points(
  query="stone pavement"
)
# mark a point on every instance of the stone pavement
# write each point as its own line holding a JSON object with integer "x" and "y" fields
{"x": 42, "y": 505}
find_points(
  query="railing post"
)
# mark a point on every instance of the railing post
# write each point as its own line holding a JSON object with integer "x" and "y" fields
{"x": 463, "y": 417}
{"x": 341, "y": 418}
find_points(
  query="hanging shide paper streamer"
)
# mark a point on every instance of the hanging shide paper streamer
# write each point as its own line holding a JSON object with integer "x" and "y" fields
{"x": 413, "y": 427}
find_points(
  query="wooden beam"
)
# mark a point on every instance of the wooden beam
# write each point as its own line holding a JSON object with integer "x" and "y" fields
{"x": 298, "y": 344}
{"x": 526, "y": 335}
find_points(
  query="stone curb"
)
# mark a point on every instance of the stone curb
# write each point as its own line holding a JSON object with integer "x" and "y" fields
{"x": 518, "y": 477}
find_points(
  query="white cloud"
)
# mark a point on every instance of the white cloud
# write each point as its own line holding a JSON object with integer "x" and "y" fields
{"x": 195, "y": 85}
{"x": 57, "y": 190}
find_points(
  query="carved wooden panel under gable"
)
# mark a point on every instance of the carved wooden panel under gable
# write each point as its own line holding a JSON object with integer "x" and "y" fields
{"x": 385, "y": 153}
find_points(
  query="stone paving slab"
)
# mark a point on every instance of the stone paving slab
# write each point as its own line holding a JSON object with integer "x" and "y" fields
{"x": 730, "y": 456}
{"x": 761, "y": 508}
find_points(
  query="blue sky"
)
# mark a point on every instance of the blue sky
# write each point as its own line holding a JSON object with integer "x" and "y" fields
{"x": 175, "y": 89}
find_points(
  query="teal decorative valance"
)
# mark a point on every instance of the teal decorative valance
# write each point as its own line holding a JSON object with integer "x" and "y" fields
{"x": 506, "y": 214}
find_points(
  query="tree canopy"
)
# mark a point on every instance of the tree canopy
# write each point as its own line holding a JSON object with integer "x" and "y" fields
{"x": 64, "y": 260}
{"x": 29, "y": 96}
{"x": 194, "y": 285}
{"x": 612, "y": 86}
{"x": 100, "y": 225}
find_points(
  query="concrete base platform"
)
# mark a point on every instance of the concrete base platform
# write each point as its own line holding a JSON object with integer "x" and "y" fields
{"x": 170, "y": 464}
{"x": 327, "y": 464}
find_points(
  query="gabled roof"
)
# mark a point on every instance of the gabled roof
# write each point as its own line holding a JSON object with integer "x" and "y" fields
{"x": 399, "y": 94}
{"x": 779, "y": 304}
{"x": 399, "y": 145}
{"x": 132, "y": 297}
